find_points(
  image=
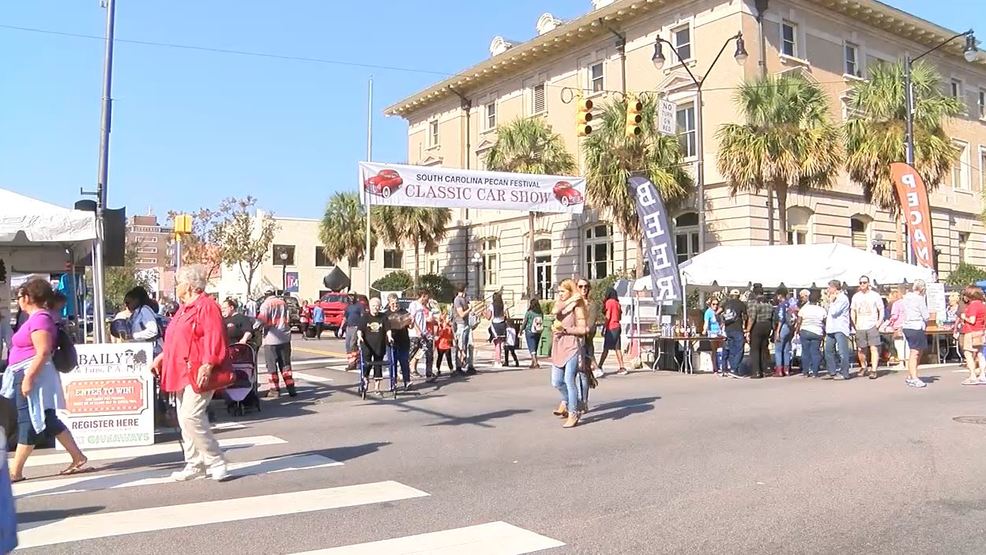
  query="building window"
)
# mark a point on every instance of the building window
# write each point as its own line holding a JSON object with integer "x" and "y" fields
{"x": 537, "y": 99}
{"x": 542, "y": 268}
{"x": 686, "y": 130}
{"x": 981, "y": 102}
{"x": 392, "y": 259}
{"x": 147, "y": 250}
{"x": 955, "y": 88}
{"x": 852, "y": 60}
{"x": 598, "y": 251}
{"x": 960, "y": 167}
{"x": 433, "y": 267}
{"x": 858, "y": 227}
{"x": 789, "y": 39}
{"x": 963, "y": 242}
{"x": 686, "y": 236}
{"x": 491, "y": 263}
{"x": 489, "y": 116}
{"x": 322, "y": 261}
{"x": 433, "y": 133}
{"x": 982, "y": 168}
{"x": 798, "y": 225}
{"x": 287, "y": 251}
{"x": 682, "y": 39}
{"x": 596, "y": 79}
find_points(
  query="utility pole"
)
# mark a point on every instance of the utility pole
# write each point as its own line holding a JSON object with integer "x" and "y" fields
{"x": 368, "y": 249}
{"x": 99, "y": 306}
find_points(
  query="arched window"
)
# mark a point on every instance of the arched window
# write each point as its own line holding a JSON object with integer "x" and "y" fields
{"x": 859, "y": 227}
{"x": 799, "y": 226}
{"x": 686, "y": 236}
{"x": 598, "y": 251}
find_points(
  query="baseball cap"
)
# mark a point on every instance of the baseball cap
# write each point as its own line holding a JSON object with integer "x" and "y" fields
{"x": 734, "y": 292}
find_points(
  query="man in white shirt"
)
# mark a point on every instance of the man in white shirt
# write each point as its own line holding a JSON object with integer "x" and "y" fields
{"x": 421, "y": 337}
{"x": 866, "y": 311}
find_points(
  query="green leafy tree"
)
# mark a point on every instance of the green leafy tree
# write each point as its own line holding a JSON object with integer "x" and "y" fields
{"x": 120, "y": 279}
{"x": 875, "y": 132}
{"x": 343, "y": 229}
{"x": 394, "y": 281}
{"x": 612, "y": 158}
{"x": 965, "y": 274}
{"x": 440, "y": 287}
{"x": 788, "y": 140}
{"x": 242, "y": 237}
{"x": 528, "y": 145}
{"x": 421, "y": 228}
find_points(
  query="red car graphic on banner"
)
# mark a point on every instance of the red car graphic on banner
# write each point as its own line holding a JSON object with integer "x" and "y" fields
{"x": 566, "y": 194}
{"x": 384, "y": 183}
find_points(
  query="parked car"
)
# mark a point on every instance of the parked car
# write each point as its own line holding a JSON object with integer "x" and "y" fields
{"x": 566, "y": 194}
{"x": 384, "y": 183}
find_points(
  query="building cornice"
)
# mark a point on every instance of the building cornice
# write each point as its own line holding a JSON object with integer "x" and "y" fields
{"x": 597, "y": 23}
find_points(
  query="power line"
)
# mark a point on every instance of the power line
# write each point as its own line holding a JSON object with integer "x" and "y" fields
{"x": 229, "y": 51}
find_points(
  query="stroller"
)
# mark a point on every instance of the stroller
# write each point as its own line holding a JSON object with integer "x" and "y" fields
{"x": 243, "y": 393}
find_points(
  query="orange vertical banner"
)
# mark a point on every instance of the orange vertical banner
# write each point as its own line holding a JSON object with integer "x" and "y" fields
{"x": 913, "y": 197}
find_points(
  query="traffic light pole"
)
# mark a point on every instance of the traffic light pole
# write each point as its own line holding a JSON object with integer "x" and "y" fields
{"x": 99, "y": 300}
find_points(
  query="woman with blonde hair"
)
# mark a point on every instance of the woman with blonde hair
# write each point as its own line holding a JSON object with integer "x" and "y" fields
{"x": 566, "y": 347}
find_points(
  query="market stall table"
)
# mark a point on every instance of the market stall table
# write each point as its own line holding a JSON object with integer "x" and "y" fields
{"x": 687, "y": 342}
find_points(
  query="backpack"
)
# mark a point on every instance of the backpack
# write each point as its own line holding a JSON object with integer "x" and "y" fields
{"x": 537, "y": 324}
{"x": 64, "y": 356}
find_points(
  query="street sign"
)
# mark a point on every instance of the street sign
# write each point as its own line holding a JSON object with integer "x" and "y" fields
{"x": 291, "y": 282}
{"x": 666, "y": 118}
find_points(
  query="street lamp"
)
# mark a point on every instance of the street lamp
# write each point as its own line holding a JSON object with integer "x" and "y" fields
{"x": 477, "y": 260}
{"x": 970, "y": 54}
{"x": 284, "y": 272}
{"x": 740, "y": 55}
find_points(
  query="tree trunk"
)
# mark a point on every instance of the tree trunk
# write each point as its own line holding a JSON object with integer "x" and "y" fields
{"x": 639, "y": 270}
{"x": 417, "y": 253}
{"x": 899, "y": 239}
{"x": 530, "y": 254}
{"x": 781, "y": 191}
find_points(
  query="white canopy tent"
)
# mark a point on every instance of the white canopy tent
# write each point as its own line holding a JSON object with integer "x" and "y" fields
{"x": 38, "y": 237}
{"x": 796, "y": 266}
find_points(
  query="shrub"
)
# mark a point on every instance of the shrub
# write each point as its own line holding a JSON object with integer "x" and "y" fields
{"x": 440, "y": 287}
{"x": 965, "y": 274}
{"x": 394, "y": 281}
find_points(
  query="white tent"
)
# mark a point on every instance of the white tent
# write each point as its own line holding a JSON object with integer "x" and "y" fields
{"x": 38, "y": 237}
{"x": 795, "y": 266}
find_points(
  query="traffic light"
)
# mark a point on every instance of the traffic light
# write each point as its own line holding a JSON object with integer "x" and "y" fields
{"x": 183, "y": 224}
{"x": 583, "y": 117}
{"x": 634, "y": 107}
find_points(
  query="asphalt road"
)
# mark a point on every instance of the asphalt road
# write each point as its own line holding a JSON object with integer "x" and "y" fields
{"x": 663, "y": 463}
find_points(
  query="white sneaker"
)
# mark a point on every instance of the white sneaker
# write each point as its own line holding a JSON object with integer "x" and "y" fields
{"x": 598, "y": 372}
{"x": 190, "y": 472}
{"x": 916, "y": 383}
{"x": 218, "y": 472}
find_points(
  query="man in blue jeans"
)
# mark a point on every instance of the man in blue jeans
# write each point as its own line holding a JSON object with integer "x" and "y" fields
{"x": 734, "y": 318}
{"x": 837, "y": 332}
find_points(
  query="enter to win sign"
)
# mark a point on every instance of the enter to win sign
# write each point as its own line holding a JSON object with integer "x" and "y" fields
{"x": 108, "y": 398}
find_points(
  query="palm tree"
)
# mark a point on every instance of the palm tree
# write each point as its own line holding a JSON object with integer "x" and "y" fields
{"x": 876, "y": 131}
{"x": 422, "y": 227}
{"x": 343, "y": 229}
{"x": 528, "y": 145}
{"x": 788, "y": 140}
{"x": 612, "y": 158}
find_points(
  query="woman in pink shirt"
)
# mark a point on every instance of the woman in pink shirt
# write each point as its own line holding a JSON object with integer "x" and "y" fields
{"x": 567, "y": 335}
{"x": 33, "y": 383}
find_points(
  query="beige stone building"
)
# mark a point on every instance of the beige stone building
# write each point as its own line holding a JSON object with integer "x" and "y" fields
{"x": 834, "y": 42}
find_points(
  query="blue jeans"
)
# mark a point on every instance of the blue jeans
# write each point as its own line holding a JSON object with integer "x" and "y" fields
{"x": 735, "y": 340}
{"x": 463, "y": 348}
{"x": 782, "y": 347}
{"x": 837, "y": 344}
{"x": 811, "y": 353}
{"x": 402, "y": 357}
{"x": 566, "y": 380}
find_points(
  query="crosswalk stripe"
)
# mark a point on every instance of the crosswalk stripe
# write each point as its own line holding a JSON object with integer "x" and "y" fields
{"x": 149, "y": 450}
{"x": 103, "y": 525}
{"x": 87, "y": 482}
{"x": 311, "y": 378}
{"x": 494, "y": 538}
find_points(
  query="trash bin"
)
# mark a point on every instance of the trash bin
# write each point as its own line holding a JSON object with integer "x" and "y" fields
{"x": 544, "y": 346}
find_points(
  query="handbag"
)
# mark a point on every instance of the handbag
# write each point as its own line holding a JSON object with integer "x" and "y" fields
{"x": 221, "y": 377}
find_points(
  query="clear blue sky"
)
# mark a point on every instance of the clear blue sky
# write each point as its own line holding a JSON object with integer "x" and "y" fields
{"x": 191, "y": 127}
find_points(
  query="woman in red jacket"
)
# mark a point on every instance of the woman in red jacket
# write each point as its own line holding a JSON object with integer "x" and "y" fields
{"x": 194, "y": 345}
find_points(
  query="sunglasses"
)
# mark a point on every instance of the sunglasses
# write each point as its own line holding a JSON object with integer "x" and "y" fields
{"x": 584, "y": 286}
{"x": 864, "y": 283}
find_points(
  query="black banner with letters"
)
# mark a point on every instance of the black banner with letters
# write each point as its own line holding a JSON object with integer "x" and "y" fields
{"x": 658, "y": 240}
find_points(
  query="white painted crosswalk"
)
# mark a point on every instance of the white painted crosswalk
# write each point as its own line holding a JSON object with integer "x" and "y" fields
{"x": 74, "y": 531}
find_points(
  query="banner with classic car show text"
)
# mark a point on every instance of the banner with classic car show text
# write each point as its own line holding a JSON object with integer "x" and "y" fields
{"x": 403, "y": 185}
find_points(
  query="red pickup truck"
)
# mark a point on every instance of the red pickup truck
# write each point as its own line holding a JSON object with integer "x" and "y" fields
{"x": 334, "y": 306}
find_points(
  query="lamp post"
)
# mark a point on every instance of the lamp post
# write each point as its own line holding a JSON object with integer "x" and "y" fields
{"x": 477, "y": 260}
{"x": 284, "y": 272}
{"x": 658, "y": 60}
{"x": 970, "y": 55}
